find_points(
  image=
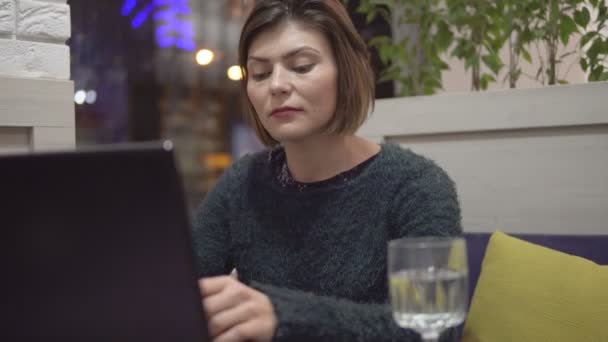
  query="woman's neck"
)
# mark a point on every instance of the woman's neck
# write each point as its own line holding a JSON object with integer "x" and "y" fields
{"x": 326, "y": 156}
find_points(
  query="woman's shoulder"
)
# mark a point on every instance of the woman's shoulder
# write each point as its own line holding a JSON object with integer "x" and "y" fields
{"x": 407, "y": 170}
{"x": 404, "y": 162}
{"x": 246, "y": 166}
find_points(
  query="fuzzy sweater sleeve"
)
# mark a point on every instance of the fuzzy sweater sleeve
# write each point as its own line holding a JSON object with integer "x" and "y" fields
{"x": 211, "y": 230}
{"x": 425, "y": 204}
{"x": 304, "y": 316}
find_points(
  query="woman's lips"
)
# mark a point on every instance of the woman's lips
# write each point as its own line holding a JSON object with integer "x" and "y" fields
{"x": 284, "y": 112}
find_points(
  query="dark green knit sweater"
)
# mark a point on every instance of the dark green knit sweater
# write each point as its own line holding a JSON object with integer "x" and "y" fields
{"x": 320, "y": 255}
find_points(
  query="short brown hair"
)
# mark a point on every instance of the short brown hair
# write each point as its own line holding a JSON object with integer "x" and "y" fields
{"x": 356, "y": 84}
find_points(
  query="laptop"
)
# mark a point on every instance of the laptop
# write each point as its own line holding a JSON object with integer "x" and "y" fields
{"x": 95, "y": 246}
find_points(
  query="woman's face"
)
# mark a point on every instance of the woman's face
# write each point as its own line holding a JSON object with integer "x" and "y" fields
{"x": 292, "y": 81}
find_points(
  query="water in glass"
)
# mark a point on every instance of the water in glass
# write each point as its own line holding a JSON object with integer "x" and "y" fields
{"x": 428, "y": 300}
{"x": 428, "y": 284}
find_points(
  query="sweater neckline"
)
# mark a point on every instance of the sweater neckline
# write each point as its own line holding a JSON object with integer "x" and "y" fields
{"x": 367, "y": 167}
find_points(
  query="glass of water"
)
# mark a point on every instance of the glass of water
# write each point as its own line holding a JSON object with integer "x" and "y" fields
{"x": 428, "y": 280}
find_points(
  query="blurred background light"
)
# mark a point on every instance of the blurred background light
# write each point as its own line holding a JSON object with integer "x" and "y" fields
{"x": 91, "y": 97}
{"x": 235, "y": 73}
{"x": 80, "y": 96}
{"x": 204, "y": 57}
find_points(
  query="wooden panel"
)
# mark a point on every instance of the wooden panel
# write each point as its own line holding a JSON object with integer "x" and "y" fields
{"x": 524, "y": 161}
{"x": 36, "y": 102}
{"x": 568, "y": 105}
{"x": 53, "y": 138}
{"x": 43, "y": 108}
{"x": 529, "y": 181}
{"x": 14, "y": 139}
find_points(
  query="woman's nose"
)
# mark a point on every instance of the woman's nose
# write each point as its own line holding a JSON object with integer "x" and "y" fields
{"x": 279, "y": 83}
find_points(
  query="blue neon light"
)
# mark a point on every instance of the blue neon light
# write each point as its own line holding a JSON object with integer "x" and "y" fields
{"x": 172, "y": 28}
{"x": 127, "y": 7}
{"x": 142, "y": 15}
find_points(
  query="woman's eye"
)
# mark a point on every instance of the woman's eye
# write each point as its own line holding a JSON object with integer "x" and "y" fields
{"x": 302, "y": 69}
{"x": 260, "y": 75}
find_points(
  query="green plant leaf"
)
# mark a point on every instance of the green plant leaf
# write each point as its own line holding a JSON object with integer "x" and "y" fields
{"x": 470, "y": 62}
{"x": 584, "y": 65}
{"x": 562, "y": 82}
{"x": 444, "y": 36}
{"x": 458, "y": 50}
{"x": 365, "y": 7}
{"x": 539, "y": 33}
{"x": 380, "y": 41}
{"x": 527, "y": 35}
{"x": 384, "y": 53}
{"x": 370, "y": 16}
{"x": 596, "y": 48}
{"x": 485, "y": 80}
{"x": 603, "y": 10}
{"x": 582, "y": 17}
{"x": 596, "y": 74}
{"x": 430, "y": 84}
{"x": 587, "y": 37}
{"x": 493, "y": 62}
{"x": 526, "y": 55}
{"x": 390, "y": 74}
{"x": 567, "y": 26}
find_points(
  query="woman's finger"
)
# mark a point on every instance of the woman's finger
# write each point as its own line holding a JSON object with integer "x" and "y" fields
{"x": 213, "y": 285}
{"x": 224, "y": 300}
{"x": 246, "y": 331}
{"x": 227, "y": 319}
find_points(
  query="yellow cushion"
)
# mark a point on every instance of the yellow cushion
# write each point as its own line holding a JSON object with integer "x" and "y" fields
{"x": 529, "y": 293}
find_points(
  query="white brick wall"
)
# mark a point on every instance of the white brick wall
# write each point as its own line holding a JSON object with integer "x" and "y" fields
{"x": 7, "y": 17}
{"x": 33, "y": 34}
{"x": 36, "y": 95}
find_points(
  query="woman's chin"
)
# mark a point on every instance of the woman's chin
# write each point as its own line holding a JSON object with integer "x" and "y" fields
{"x": 289, "y": 133}
{"x": 290, "y": 137}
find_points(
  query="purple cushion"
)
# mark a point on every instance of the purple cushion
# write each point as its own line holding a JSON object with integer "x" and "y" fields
{"x": 592, "y": 247}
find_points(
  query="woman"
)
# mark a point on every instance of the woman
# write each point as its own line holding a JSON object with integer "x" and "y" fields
{"x": 306, "y": 225}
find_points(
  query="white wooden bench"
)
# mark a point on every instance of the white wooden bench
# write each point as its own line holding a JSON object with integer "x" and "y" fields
{"x": 524, "y": 161}
{"x": 36, "y": 114}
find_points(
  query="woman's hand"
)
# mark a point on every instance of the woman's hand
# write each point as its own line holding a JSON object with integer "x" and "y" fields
{"x": 236, "y": 312}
